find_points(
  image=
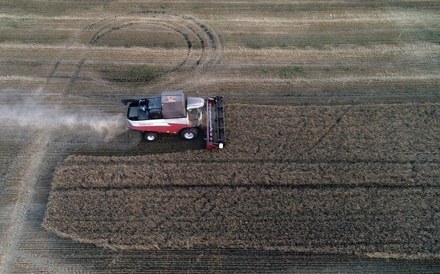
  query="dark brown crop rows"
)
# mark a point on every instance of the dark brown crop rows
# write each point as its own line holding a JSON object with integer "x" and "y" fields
{"x": 146, "y": 174}
{"x": 350, "y": 179}
{"x": 319, "y": 220}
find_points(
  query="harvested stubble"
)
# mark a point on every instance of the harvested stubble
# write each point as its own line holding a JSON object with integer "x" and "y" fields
{"x": 348, "y": 179}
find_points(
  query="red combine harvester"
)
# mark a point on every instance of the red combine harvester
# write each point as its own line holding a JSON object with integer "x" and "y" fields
{"x": 173, "y": 113}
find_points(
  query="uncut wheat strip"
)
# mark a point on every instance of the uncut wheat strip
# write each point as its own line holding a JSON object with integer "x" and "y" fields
{"x": 247, "y": 119}
{"x": 237, "y": 173}
{"x": 361, "y": 133}
{"x": 320, "y": 93}
{"x": 241, "y": 122}
{"x": 283, "y": 31}
{"x": 393, "y": 133}
{"x": 326, "y": 10}
{"x": 332, "y": 220}
{"x": 341, "y": 133}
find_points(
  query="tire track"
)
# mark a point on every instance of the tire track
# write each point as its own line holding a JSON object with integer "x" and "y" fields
{"x": 178, "y": 66}
{"x": 330, "y": 129}
{"x": 102, "y": 31}
{"x": 26, "y": 167}
{"x": 210, "y": 43}
{"x": 27, "y": 164}
{"x": 63, "y": 54}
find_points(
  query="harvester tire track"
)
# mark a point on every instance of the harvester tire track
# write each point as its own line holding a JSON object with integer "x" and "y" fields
{"x": 329, "y": 130}
{"x": 28, "y": 180}
{"x": 183, "y": 26}
{"x": 93, "y": 40}
{"x": 29, "y": 169}
{"x": 66, "y": 48}
{"x": 175, "y": 68}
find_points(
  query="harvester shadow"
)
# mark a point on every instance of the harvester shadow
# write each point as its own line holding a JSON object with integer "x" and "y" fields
{"x": 130, "y": 143}
{"x": 166, "y": 144}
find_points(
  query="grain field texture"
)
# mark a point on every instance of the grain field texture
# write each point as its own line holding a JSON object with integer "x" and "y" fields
{"x": 332, "y": 160}
{"x": 340, "y": 199}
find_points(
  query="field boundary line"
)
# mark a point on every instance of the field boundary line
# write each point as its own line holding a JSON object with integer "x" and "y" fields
{"x": 262, "y": 186}
{"x": 256, "y": 161}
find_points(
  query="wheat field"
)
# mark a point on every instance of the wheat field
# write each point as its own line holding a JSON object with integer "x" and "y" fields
{"x": 332, "y": 157}
{"x": 340, "y": 199}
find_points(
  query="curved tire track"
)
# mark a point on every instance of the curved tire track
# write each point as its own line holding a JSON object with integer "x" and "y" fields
{"x": 188, "y": 28}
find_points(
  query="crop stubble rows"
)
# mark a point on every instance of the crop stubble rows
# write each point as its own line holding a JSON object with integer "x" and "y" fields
{"x": 398, "y": 67}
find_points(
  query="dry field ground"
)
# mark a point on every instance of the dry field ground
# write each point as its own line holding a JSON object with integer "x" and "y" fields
{"x": 333, "y": 155}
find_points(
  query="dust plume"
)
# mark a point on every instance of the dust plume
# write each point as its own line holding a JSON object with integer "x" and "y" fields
{"x": 34, "y": 114}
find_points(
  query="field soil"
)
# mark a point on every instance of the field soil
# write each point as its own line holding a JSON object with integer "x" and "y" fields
{"x": 332, "y": 156}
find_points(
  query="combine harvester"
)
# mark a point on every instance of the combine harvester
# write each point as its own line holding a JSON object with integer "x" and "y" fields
{"x": 173, "y": 113}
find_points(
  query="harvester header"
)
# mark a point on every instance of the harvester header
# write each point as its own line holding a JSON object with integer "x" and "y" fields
{"x": 215, "y": 130}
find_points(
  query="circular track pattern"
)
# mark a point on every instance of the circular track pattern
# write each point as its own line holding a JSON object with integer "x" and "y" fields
{"x": 199, "y": 46}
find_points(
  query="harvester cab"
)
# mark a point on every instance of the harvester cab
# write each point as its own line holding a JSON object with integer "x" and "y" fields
{"x": 173, "y": 113}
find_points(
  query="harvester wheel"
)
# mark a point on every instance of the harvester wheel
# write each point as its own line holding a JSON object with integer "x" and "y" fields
{"x": 150, "y": 136}
{"x": 188, "y": 133}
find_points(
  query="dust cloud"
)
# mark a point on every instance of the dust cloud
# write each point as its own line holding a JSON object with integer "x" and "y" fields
{"x": 33, "y": 113}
